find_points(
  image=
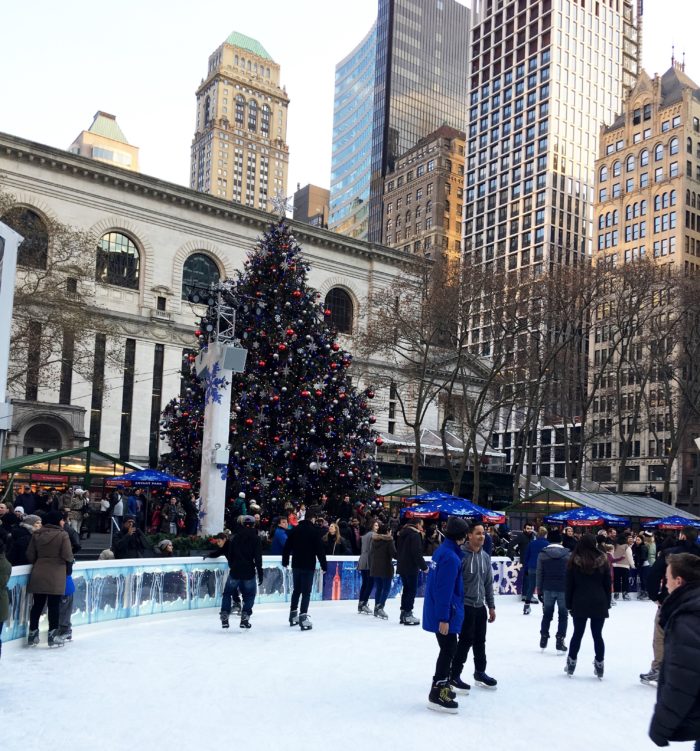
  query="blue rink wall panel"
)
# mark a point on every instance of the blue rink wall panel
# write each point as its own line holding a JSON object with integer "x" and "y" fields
{"x": 109, "y": 590}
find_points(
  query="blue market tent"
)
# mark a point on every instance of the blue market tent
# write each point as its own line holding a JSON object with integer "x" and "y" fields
{"x": 147, "y": 478}
{"x": 673, "y": 522}
{"x": 441, "y": 505}
{"x": 585, "y": 516}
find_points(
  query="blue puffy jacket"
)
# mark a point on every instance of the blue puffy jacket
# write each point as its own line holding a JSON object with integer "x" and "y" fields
{"x": 533, "y": 551}
{"x": 278, "y": 540}
{"x": 444, "y": 590}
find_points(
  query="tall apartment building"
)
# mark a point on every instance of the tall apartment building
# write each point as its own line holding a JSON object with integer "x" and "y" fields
{"x": 544, "y": 76}
{"x": 423, "y": 196}
{"x": 105, "y": 141}
{"x": 387, "y": 101}
{"x": 647, "y": 206}
{"x": 311, "y": 205}
{"x": 239, "y": 149}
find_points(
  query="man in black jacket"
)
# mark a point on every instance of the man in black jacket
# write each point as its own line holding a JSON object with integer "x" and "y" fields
{"x": 409, "y": 559}
{"x": 677, "y": 711}
{"x": 304, "y": 545}
{"x": 519, "y": 547}
{"x": 244, "y": 555}
{"x": 657, "y": 591}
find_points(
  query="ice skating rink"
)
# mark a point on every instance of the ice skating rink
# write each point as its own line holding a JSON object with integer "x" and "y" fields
{"x": 181, "y": 682}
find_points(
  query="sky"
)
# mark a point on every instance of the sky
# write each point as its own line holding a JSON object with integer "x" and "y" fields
{"x": 142, "y": 61}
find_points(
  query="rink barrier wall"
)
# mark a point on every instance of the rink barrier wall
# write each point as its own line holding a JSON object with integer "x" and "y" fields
{"x": 111, "y": 590}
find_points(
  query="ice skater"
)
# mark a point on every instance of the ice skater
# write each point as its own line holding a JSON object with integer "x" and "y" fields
{"x": 551, "y": 588}
{"x": 304, "y": 545}
{"x": 477, "y": 576}
{"x": 443, "y": 611}
{"x": 244, "y": 555}
{"x": 409, "y": 562}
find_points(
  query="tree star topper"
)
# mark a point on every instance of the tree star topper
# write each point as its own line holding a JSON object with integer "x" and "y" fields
{"x": 280, "y": 204}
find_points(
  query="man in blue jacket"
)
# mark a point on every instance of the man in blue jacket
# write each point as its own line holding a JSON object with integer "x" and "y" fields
{"x": 530, "y": 567}
{"x": 443, "y": 611}
{"x": 551, "y": 588}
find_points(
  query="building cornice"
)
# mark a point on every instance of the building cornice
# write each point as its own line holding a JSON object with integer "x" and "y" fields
{"x": 60, "y": 161}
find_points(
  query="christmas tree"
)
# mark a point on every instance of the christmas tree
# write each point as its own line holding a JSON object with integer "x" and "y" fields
{"x": 299, "y": 429}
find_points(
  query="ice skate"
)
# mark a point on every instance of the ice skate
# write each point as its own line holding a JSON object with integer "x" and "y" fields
{"x": 379, "y": 613}
{"x": 544, "y": 640}
{"x": 293, "y": 617}
{"x": 33, "y": 638}
{"x": 66, "y": 633}
{"x": 485, "y": 681}
{"x": 459, "y": 686}
{"x": 650, "y": 679}
{"x": 55, "y": 639}
{"x": 526, "y": 609}
{"x": 245, "y": 620}
{"x": 408, "y": 619}
{"x": 570, "y": 667}
{"x": 236, "y": 608}
{"x": 224, "y": 620}
{"x": 440, "y": 700}
{"x": 625, "y": 595}
{"x": 561, "y": 647}
{"x": 305, "y": 622}
{"x": 362, "y": 609}
{"x": 598, "y": 669}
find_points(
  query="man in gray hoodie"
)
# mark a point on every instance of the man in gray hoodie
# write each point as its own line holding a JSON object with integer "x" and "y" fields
{"x": 477, "y": 575}
{"x": 551, "y": 587}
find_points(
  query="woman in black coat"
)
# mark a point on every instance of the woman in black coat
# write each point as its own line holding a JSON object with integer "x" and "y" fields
{"x": 588, "y": 589}
{"x": 677, "y": 711}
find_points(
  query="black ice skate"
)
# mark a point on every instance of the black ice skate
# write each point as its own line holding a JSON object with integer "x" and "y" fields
{"x": 33, "y": 638}
{"x": 650, "y": 679}
{"x": 459, "y": 686}
{"x": 293, "y": 617}
{"x": 598, "y": 669}
{"x": 56, "y": 639}
{"x": 408, "y": 619}
{"x": 66, "y": 633}
{"x": 440, "y": 699}
{"x": 570, "y": 667}
{"x": 305, "y": 622}
{"x": 379, "y": 613}
{"x": 544, "y": 640}
{"x": 526, "y": 609}
{"x": 224, "y": 620}
{"x": 485, "y": 681}
{"x": 245, "y": 620}
{"x": 561, "y": 647}
{"x": 362, "y": 609}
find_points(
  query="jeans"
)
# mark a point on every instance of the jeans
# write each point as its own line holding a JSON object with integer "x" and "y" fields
{"x": 382, "y": 586}
{"x": 303, "y": 581}
{"x": 65, "y": 610}
{"x": 448, "y": 647}
{"x": 472, "y": 636}
{"x": 230, "y": 593}
{"x": 248, "y": 591}
{"x": 529, "y": 584}
{"x": 54, "y": 602}
{"x": 367, "y": 584}
{"x": 621, "y": 579}
{"x": 408, "y": 595}
{"x": 597, "y": 632}
{"x": 550, "y": 600}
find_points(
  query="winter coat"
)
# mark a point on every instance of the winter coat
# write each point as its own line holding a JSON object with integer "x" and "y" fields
{"x": 520, "y": 544}
{"x": 365, "y": 552}
{"x": 488, "y": 544}
{"x": 383, "y": 553}
{"x": 130, "y": 546}
{"x": 50, "y": 552}
{"x": 334, "y": 548}
{"x": 588, "y": 595}
{"x": 19, "y": 540}
{"x": 656, "y": 581}
{"x": 304, "y": 545}
{"x": 5, "y": 571}
{"x": 622, "y": 557}
{"x": 409, "y": 551}
{"x": 444, "y": 589}
{"x": 640, "y": 554}
{"x": 568, "y": 542}
{"x": 551, "y": 569}
{"x": 677, "y": 711}
{"x": 477, "y": 576}
{"x": 533, "y": 551}
{"x": 244, "y": 554}
{"x": 278, "y": 540}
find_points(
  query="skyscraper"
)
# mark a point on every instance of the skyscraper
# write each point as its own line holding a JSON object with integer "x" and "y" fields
{"x": 418, "y": 81}
{"x": 544, "y": 77}
{"x": 239, "y": 149}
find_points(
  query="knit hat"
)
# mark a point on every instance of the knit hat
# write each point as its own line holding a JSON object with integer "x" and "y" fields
{"x": 53, "y": 517}
{"x": 248, "y": 521}
{"x": 646, "y": 533}
{"x": 164, "y": 544}
{"x": 20, "y": 509}
{"x": 456, "y": 528}
{"x": 30, "y": 520}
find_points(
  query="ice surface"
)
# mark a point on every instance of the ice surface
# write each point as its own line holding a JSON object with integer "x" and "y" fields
{"x": 354, "y": 682}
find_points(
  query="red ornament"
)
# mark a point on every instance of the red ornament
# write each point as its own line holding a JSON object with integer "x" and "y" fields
{"x": 342, "y": 395}
{"x": 379, "y": 440}
{"x": 276, "y": 439}
{"x": 372, "y": 419}
{"x": 275, "y": 398}
{"x": 335, "y": 346}
{"x": 249, "y": 421}
{"x": 331, "y": 419}
{"x": 198, "y": 332}
{"x": 282, "y": 347}
{"x": 318, "y": 392}
{"x": 262, "y": 363}
{"x": 258, "y": 294}
{"x": 296, "y": 293}
{"x": 334, "y": 365}
{"x": 347, "y": 454}
{"x": 327, "y": 312}
{"x": 370, "y": 394}
{"x": 290, "y": 332}
{"x": 306, "y": 393}
{"x": 185, "y": 414}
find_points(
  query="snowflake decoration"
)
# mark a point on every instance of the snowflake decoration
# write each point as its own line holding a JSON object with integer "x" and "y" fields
{"x": 312, "y": 347}
{"x": 265, "y": 482}
{"x": 212, "y": 382}
{"x": 223, "y": 468}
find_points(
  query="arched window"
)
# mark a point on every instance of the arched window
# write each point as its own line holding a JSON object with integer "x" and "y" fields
{"x": 207, "y": 108}
{"x": 265, "y": 120}
{"x": 34, "y": 251}
{"x": 673, "y": 146}
{"x": 41, "y": 438}
{"x": 252, "y": 115}
{"x": 608, "y": 219}
{"x": 689, "y": 145}
{"x": 629, "y": 165}
{"x": 603, "y": 174}
{"x": 658, "y": 152}
{"x": 628, "y": 212}
{"x": 339, "y": 302}
{"x": 643, "y": 206}
{"x": 673, "y": 198}
{"x": 601, "y": 221}
{"x": 198, "y": 273}
{"x": 657, "y": 203}
{"x": 240, "y": 107}
{"x": 616, "y": 217}
{"x": 617, "y": 169}
{"x": 117, "y": 261}
{"x": 644, "y": 158}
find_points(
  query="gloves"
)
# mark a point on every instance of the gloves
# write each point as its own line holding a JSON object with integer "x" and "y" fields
{"x": 540, "y": 597}
{"x": 657, "y": 739}
{"x": 260, "y": 581}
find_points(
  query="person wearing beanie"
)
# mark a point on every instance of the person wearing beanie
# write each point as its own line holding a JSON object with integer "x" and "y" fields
{"x": 304, "y": 545}
{"x": 443, "y": 611}
{"x": 19, "y": 540}
{"x": 244, "y": 555}
{"x": 165, "y": 548}
{"x": 551, "y": 588}
{"x": 49, "y": 551}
